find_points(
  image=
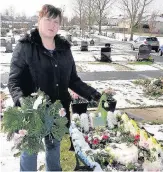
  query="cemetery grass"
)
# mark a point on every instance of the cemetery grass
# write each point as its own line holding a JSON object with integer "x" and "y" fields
{"x": 67, "y": 158}
{"x": 141, "y": 63}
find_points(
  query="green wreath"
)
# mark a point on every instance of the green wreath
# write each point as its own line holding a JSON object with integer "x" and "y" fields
{"x": 39, "y": 118}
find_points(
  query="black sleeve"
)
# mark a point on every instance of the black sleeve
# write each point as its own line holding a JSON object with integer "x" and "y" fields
{"x": 16, "y": 69}
{"x": 80, "y": 87}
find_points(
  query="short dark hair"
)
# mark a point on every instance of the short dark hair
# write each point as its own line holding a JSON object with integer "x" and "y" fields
{"x": 50, "y": 11}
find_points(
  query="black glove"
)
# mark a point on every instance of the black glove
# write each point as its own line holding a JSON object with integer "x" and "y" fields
{"x": 96, "y": 96}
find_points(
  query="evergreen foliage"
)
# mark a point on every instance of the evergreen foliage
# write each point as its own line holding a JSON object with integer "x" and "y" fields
{"x": 38, "y": 122}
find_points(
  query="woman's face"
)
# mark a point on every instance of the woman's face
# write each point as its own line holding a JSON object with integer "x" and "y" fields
{"x": 48, "y": 27}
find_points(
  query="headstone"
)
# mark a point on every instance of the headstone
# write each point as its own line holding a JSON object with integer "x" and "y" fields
{"x": 75, "y": 43}
{"x": 92, "y": 42}
{"x": 12, "y": 40}
{"x": 106, "y": 54}
{"x": 3, "y": 42}
{"x": 69, "y": 37}
{"x": 84, "y": 46}
{"x": 107, "y": 45}
{"x": 9, "y": 47}
{"x": 144, "y": 53}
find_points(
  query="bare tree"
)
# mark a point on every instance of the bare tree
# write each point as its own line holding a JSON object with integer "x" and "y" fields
{"x": 89, "y": 12}
{"x": 79, "y": 11}
{"x": 63, "y": 17}
{"x": 152, "y": 21}
{"x": 135, "y": 10}
{"x": 11, "y": 13}
{"x": 101, "y": 10}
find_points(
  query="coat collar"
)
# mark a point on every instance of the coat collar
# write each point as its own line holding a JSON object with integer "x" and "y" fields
{"x": 34, "y": 37}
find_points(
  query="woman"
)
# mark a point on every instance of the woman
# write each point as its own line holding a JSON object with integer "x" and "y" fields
{"x": 43, "y": 60}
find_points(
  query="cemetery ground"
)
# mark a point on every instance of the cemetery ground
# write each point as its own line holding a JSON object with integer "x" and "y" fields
{"x": 130, "y": 97}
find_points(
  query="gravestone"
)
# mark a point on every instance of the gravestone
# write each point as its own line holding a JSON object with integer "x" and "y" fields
{"x": 92, "y": 42}
{"x": 106, "y": 54}
{"x": 144, "y": 53}
{"x": 3, "y": 42}
{"x": 84, "y": 46}
{"x": 12, "y": 40}
{"x": 75, "y": 43}
{"x": 9, "y": 47}
{"x": 107, "y": 45}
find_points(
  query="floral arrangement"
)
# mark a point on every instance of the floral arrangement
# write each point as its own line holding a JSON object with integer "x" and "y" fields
{"x": 124, "y": 146}
{"x": 36, "y": 118}
{"x": 153, "y": 88}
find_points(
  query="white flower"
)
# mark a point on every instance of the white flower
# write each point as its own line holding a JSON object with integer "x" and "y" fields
{"x": 62, "y": 112}
{"x": 75, "y": 116}
{"x": 37, "y": 102}
{"x": 97, "y": 136}
{"x": 84, "y": 122}
{"x": 34, "y": 94}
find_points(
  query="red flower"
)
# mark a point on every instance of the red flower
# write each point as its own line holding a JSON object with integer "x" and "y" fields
{"x": 105, "y": 137}
{"x": 137, "y": 137}
{"x": 86, "y": 138}
{"x": 95, "y": 141}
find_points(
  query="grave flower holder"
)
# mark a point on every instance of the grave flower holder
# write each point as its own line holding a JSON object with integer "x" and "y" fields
{"x": 79, "y": 106}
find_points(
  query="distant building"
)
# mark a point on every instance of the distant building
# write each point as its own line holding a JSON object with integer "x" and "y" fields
{"x": 18, "y": 24}
{"x": 156, "y": 24}
{"x": 147, "y": 25}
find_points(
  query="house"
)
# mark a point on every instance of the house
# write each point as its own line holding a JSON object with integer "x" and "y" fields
{"x": 156, "y": 25}
{"x": 148, "y": 24}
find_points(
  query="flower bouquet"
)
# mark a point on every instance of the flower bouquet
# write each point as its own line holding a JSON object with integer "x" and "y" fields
{"x": 36, "y": 118}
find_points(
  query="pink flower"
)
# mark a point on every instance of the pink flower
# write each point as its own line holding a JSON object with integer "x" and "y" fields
{"x": 86, "y": 139}
{"x": 96, "y": 141}
{"x": 105, "y": 137}
{"x": 74, "y": 95}
{"x": 62, "y": 112}
{"x": 23, "y": 133}
{"x": 146, "y": 145}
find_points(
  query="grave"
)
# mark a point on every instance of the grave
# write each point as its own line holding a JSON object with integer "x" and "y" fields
{"x": 92, "y": 42}
{"x": 106, "y": 54}
{"x": 144, "y": 53}
{"x": 9, "y": 48}
{"x": 75, "y": 43}
{"x": 84, "y": 46}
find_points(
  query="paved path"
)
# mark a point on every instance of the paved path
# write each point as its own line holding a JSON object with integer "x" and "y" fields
{"x": 120, "y": 75}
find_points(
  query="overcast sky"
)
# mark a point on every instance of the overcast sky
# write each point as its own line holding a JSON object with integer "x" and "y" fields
{"x": 30, "y": 7}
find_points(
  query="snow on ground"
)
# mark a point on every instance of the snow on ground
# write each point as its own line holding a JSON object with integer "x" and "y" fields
{"x": 4, "y": 69}
{"x": 5, "y": 58}
{"x": 122, "y": 57}
{"x": 8, "y": 161}
{"x": 2, "y": 49}
{"x": 83, "y": 56}
{"x": 157, "y": 130}
{"x": 96, "y": 67}
{"x": 128, "y": 95}
{"x": 158, "y": 65}
{"x": 90, "y": 48}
